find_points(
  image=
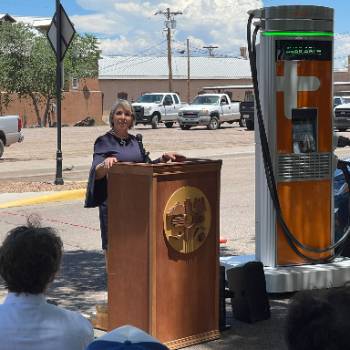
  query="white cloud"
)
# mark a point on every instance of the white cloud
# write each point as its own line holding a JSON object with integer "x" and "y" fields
{"x": 144, "y": 9}
{"x": 143, "y": 43}
{"x": 206, "y": 22}
{"x": 131, "y": 26}
{"x": 100, "y": 23}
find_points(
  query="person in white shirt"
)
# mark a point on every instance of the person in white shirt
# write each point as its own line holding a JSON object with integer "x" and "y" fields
{"x": 30, "y": 257}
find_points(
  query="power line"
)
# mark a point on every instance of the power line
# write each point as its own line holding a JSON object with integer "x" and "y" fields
{"x": 133, "y": 57}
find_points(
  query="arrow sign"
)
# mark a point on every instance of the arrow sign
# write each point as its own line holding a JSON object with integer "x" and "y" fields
{"x": 67, "y": 32}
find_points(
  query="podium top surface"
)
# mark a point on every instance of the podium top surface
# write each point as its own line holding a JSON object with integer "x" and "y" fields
{"x": 190, "y": 165}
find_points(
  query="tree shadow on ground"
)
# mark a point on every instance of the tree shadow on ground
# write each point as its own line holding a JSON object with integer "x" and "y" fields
{"x": 80, "y": 283}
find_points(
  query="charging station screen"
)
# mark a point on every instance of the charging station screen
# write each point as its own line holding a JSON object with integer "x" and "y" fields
{"x": 304, "y": 130}
{"x": 292, "y": 50}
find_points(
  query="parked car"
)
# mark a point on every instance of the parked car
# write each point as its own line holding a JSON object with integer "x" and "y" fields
{"x": 247, "y": 109}
{"x": 10, "y": 131}
{"x": 340, "y": 100}
{"x": 341, "y": 112}
{"x": 157, "y": 107}
{"x": 210, "y": 110}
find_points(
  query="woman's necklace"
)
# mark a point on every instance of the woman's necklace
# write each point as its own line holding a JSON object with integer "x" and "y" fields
{"x": 121, "y": 140}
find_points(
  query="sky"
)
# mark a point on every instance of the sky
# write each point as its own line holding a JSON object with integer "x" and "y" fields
{"x": 132, "y": 28}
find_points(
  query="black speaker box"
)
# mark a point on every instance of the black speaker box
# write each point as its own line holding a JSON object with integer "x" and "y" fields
{"x": 248, "y": 287}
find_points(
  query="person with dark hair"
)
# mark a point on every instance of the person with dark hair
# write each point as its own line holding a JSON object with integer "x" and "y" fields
{"x": 30, "y": 257}
{"x": 319, "y": 320}
{"x": 117, "y": 145}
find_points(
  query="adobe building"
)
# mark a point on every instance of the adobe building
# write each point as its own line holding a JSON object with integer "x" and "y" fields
{"x": 81, "y": 99}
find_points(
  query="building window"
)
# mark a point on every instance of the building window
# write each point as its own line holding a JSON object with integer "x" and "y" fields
{"x": 75, "y": 83}
{"x": 122, "y": 96}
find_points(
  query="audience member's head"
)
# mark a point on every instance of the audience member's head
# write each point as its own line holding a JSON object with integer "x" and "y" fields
{"x": 319, "y": 320}
{"x": 30, "y": 257}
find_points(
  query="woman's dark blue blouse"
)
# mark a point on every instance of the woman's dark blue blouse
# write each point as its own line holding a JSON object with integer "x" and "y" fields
{"x": 106, "y": 146}
{"x": 109, "y": 145}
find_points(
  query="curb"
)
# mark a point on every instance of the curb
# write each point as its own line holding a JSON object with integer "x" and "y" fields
{"x": 54, "y": 197}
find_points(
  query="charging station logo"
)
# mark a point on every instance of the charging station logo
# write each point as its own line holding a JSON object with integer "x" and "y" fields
{"x": 291, "y": 83}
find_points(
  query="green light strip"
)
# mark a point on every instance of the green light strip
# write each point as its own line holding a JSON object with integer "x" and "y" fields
{"x": 297, "y": 34}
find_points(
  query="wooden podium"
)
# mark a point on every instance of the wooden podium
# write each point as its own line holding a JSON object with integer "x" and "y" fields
{"x": 163, "y": 250}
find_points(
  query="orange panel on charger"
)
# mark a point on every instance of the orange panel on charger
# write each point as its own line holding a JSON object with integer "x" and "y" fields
{"x": 306, "y": 204}
{"x": 306, "y": 207}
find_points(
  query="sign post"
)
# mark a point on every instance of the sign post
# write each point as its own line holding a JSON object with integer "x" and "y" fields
{"x": 60, "y": 35}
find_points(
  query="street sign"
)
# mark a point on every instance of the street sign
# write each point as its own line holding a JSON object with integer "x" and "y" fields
{"x": 67, "y": 32}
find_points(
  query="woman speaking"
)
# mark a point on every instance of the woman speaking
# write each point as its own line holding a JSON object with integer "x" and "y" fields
{"x": 117, "y": 145}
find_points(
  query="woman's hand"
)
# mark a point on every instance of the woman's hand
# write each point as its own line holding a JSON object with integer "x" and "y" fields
{"x": 108, "y": 162}
{"x": 173, "y": 157}
{"x": 102, "y": 168}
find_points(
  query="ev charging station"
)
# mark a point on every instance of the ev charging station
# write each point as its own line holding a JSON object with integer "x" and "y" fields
{"x": 292, "y": 71}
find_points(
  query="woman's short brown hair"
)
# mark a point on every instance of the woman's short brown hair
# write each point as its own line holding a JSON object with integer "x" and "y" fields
{"x": 126, "y": 106}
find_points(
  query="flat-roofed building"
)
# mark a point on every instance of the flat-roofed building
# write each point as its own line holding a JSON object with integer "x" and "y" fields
{"x": 129, "y": 77}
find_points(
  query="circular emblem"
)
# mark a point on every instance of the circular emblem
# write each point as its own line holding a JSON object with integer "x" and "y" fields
{"x": 187, "y": 219}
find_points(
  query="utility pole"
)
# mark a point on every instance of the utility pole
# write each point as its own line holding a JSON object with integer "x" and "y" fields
{"x": 168, "y": 36}
{"x": 170, "y": 24}
{"x": 210, "y": 49}
{"x": 188, "y": 70}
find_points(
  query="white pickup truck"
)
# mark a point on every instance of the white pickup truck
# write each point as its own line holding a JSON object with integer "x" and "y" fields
{"x": 157, "y": 107}
{"x": 341, "y": 112}
{"x": 10, "y": 131}
{"x": 209, "y": 110}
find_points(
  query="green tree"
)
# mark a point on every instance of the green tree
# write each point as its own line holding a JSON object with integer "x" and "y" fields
{"x": 28, "y": 64}
{"x": 82, "y": 57}
{"x": 15, "y": 48}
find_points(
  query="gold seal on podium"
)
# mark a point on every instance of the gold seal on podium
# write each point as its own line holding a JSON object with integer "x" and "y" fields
{"x": 187, "y": 219}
